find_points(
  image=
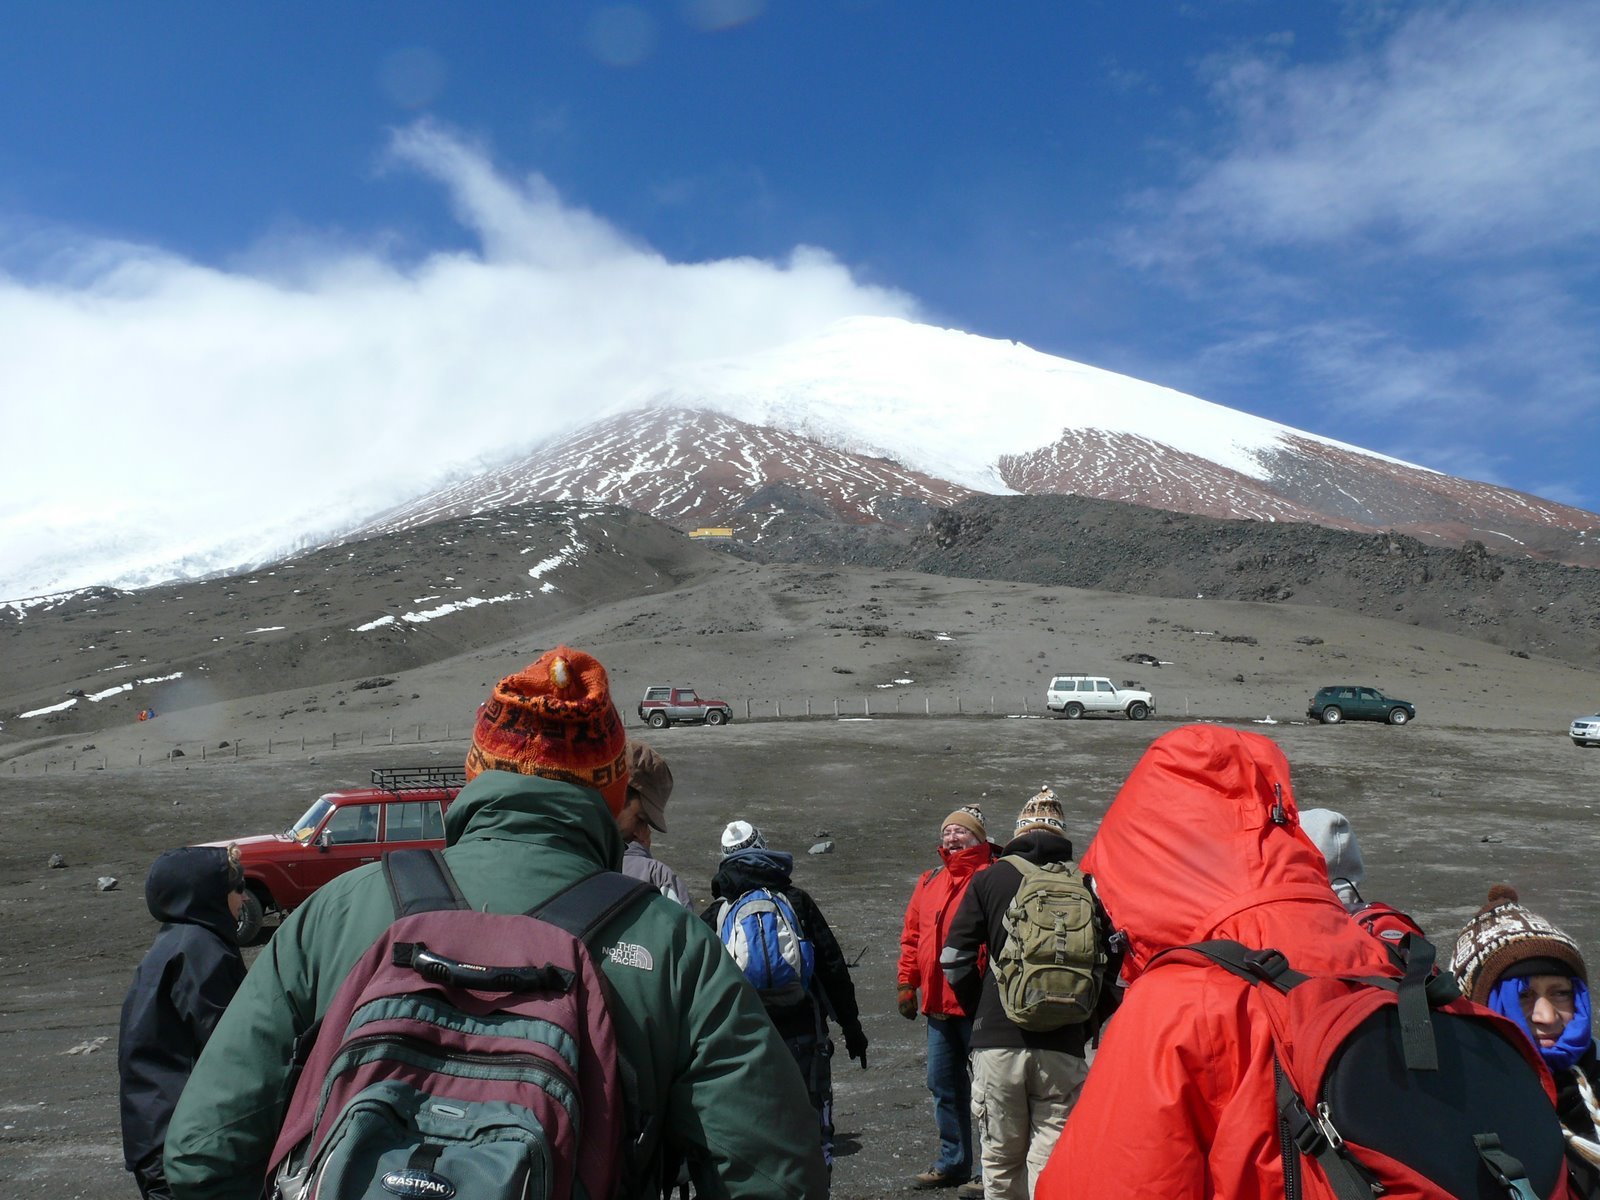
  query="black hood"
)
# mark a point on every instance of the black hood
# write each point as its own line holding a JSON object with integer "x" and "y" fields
{"x": 747, "y": 869}
{"x": 189, "y": 886}
{"x": 1040, "y": 846}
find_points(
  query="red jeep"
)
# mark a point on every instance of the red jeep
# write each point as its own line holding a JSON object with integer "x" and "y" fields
{"x": 403, "y": 808}
{"x": 663, "y": 706}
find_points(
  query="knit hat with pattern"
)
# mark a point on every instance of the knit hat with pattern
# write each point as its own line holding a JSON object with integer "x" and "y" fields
{"x": 1505, "y": 939}
{"x": 555, "y": 718}
{"x": 741, "y": 835}
{"x": 1042, "y": 812}
{"x": 970, "y": 818}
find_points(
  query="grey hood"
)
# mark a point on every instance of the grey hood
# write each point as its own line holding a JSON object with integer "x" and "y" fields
{"x": 1331, "y": 833}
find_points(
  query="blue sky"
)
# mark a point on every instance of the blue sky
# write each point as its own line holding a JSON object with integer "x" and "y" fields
{"x": 1371, "y": 219}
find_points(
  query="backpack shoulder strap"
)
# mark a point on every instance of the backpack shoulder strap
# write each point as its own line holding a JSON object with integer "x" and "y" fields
{"x": 1252, "y": 966}
{"x": 585, "y": 907}
{"x": 1022, "y": 865}
{"x": 420, "y": 881}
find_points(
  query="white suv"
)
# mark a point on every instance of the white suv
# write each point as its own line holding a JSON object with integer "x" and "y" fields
{"x": 1585, "y": 731}
{"x": 1074, "y": 695}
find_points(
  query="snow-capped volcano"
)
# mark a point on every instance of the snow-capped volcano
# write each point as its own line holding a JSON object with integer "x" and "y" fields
{"x": 876, "y": 418}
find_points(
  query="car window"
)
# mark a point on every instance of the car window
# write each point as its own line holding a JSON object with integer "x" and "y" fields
{"x": 1347, "y": 694}
{"x": 659, "y": 693}
{"x": 353, "y": 823}
{"x": 1368, "y": 694}
{"x": 687, "y": 696}
{"x": 1102, "y": 685}
{"x": 413, "y": 821}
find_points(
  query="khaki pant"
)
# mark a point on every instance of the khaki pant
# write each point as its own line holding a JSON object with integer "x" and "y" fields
{"x": 1020, "y": 1102}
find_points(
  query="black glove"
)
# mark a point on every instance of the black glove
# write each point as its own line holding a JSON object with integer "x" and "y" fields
{"x": 855, "y": 1045}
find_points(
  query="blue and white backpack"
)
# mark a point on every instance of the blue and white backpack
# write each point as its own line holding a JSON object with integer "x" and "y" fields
{"x": 762, "y": 932}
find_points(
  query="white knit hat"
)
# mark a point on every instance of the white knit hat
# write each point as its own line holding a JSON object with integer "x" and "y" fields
{"x": 741, "y": 835}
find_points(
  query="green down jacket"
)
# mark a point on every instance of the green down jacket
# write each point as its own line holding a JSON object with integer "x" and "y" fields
{"x": 708, "y": 1060}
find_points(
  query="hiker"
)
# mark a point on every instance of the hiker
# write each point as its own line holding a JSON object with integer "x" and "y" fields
{"x": 1520, "y": 965}
{"x": 788, "y": 920}
{"x": 1025, "y": 1078}
{"x": 649, "y": 788}
{"x": 964, "y": 849}
{"x": 1203, "y": 843}
{"x": 1330, "y": 833}
{"x": 179, "y": 992}
{"x": 547, "y": 774}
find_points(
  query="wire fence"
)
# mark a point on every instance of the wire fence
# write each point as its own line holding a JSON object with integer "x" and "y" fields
{"x": 750, "y": 710}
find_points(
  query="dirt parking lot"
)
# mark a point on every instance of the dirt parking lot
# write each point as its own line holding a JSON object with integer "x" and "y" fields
{"x": 1441, "y": 813}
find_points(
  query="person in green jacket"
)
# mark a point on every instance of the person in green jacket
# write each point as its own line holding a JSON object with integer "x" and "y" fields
{"x": 546, "y": 774}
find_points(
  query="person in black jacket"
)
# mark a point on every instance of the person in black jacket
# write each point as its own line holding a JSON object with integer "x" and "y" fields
{"x": 179, "y": 991}
{"x": 1024, "y": 1082}
{"x": 747, "y": 864}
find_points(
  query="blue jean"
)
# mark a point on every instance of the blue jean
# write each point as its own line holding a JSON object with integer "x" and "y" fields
{"x": 949, "y": 1043}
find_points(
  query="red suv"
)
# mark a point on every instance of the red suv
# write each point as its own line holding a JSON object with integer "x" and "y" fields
{"x": 663, "y": 705}
{"x": 403, "y": 808}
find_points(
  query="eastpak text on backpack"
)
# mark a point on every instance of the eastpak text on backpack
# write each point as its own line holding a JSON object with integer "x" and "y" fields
{"x": 1398, "y": 1087}
{"x": 763, "y": 934}
{"x": 466, "y": 1054}
{"x": 1050, "y": 970}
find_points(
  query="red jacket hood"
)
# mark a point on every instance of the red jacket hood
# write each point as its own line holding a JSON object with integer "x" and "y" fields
{"x": 1190, "y": 850}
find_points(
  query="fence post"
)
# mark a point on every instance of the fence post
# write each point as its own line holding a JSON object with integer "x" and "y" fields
{"x": 363, "y": 737}
{"x": 141, "y": 759}
{"x": 897, "y": 702}
{"x": 336, "y": 740}
{"x": 302, "y": 741}
{"x": 269, "y": 745}
{"x": 391, "y": 735}
{"x": 808, "y": 706}
{"x": 777, "y": 709}
{"x": 866, "y": 706}
{"x": 1024, "y": 703}
{"x": 835, "y": 713}
{"x": 991, "y": 703}
{"x": 747, "y": 708}
{"x": 927, "y": 705}
{"x": 74, "y": 764}
{"x": 202, "y": 752}
{"x": 958, "y": 702}
{"x": 102, "y": 762}
{"x": 419, "y": 733}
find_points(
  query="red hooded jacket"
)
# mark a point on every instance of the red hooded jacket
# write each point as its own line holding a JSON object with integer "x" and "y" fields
{"x": 932, "y": 907}
{"x": 1180, "y": 1101}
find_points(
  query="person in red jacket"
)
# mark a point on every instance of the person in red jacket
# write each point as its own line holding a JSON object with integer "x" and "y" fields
{"x": 965, "y": 849}
{"x": 1203, "y": 841}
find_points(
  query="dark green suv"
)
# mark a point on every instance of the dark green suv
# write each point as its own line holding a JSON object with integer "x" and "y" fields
{"x": 1334, "y": 704}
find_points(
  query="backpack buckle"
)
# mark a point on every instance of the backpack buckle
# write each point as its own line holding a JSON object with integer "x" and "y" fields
{"x": 1313, "y": 1132}
{"x": 1266, "y": 965}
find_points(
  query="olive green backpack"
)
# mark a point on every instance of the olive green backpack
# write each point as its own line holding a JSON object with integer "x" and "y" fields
{"x": 1051, "y": 967}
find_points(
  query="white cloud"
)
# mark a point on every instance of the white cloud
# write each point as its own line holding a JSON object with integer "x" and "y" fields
{"x": 167, "y": 412}
{"x": 1470, "y": 132}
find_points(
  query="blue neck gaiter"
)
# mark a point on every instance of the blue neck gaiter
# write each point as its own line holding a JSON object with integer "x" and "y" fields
{"x": 1506, "y": 999}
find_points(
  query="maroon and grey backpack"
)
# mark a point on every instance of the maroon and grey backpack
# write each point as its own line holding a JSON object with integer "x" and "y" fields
{"x": 466, "y": 1054}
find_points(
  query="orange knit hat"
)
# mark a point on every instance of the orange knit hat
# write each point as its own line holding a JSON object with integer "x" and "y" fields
{"x": 555, "y": 718}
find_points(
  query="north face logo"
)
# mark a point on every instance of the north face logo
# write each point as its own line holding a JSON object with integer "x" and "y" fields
{"x": 630, "y": 954}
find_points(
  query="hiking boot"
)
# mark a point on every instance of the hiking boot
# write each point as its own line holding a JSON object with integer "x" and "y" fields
{"x": 972, "y": 1189}
{"x": 936, "y": 1178}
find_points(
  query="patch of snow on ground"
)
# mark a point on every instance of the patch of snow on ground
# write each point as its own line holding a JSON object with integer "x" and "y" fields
{"x": 266, "y": 628}
{"x": 39, "y": 712}
{"x": 109, "y": 692}
{"x": 546, "y": 588}
{"x": 370, "y": 625}
{"x": 444, "y": 610}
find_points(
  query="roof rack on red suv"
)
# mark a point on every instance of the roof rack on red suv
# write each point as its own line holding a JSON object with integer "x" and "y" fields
{"x": 404, "y": 807}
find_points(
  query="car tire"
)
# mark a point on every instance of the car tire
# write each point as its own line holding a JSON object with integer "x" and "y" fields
{"x": 1072, "y": 711}
{"x": 1398, "y": 716}
{"x": 1138, "y": 710}
{"x": 716, "y": 717}
{"x": 252, "y": 916}
{"x": 658, "y": 720}
{"x": 1331, "y": 715}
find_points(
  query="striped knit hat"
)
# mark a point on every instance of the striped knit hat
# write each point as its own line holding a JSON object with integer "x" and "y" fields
{"x": 1042, "y": 812}
{"x": 1505, "y": 939}
{"x": 970, "y": 818}
{"x": 555, "y": 718}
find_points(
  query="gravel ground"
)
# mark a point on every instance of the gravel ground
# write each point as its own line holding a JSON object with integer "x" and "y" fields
{"x": 1442, "y": 813}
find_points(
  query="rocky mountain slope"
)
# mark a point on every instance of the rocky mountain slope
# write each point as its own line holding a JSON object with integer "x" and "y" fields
{"x": 876, "y": 420}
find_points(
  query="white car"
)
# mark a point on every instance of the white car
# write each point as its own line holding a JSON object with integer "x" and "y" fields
{"x": 1074, "y": 695}
{"x": 1585, "y": 731}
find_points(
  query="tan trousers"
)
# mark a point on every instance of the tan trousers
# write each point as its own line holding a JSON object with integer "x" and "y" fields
{"x": 1020, "y": 1102}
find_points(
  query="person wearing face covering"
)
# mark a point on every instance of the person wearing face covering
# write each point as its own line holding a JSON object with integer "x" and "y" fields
{"x": 964, "y": 850}
{"x": 1526, "y": 969}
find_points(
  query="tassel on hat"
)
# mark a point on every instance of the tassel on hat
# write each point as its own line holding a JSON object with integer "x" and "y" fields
{"x": 1505, "y": 939}
{"x": 555, "y": 718}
